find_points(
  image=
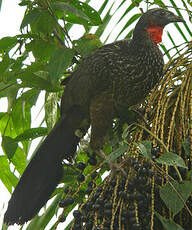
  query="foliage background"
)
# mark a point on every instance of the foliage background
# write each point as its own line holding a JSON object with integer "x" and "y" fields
{"x": 43, "y": 54}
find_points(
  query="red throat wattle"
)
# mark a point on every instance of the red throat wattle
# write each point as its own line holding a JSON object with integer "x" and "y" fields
{"x": 155, "y": 33}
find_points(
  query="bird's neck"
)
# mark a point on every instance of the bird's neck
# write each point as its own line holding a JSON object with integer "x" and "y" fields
{"x": 155, "y": 32}
{"x": 145, "y": 35}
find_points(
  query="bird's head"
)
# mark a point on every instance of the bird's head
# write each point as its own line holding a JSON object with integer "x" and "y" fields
{"x": 154, "y": 21}
{"x": 159, "y": 17}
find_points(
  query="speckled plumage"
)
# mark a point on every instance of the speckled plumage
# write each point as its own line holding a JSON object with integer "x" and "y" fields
{"x": 124, "y": 69}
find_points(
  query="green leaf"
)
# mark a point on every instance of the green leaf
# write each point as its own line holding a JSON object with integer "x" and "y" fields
{"x": 186, "y": 146}
{"x": 45, "y": 23}
{"x": 30, "y": 96}
{"x": 34, "y": 79}
{"x": 25, "y": 3}
{"x": 9, "y": 146}
{"x": 6, "y": 89}
{"x": 115, "y": 154}
{"x": 33, "y": 223}
{"x": 78, "y": 12}
{"x": 51, "y": 110}
{"x": 5, "y": 66}
{"x": 19, "y": 160}
{"x": 82, "y": 156}
{"x": 7, "y": 43}
{"x": 171, "y": 159}
{"x": 11, "y": 96}
{"x": 168, "y": 224}
{"x": 102, "y": 27}
{"x": 41, "y": 221}
{"x": 69, "y": 8}
{"x": 31, "y": 134}
{"x": 160, "y": 3}
{"x": 90, "y": 12}
{"x": 173, "y": 42}
{"x": 145, "y": 148}
{"x": 165, "y": 51}
{"x": 189, "y": 175}
{"x": 30, "y": 17}
{"x": 7, "y": 128}
{"x": 87, "y": 44}
{"x": 69, "y": 175}
{"x": 59, "y": 61}
{"x": 21, "y": 116}
{"x": 172, "y": 199}
{"x": 6, "y": 176}
{"x": 2, "y": 114}
{"x": 41, "y": 49}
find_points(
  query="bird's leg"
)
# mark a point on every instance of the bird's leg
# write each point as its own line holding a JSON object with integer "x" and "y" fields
{"x": 101, "y": 116}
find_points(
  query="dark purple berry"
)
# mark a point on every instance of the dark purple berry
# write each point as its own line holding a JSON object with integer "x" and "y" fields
{"x": 142, "y": 180}
{"x": 93, "y": 175}
{"x": 155, "y": 151}
{"x": 96, "y": 207}
{"x": 89, "y": 190}
{"x": 132, "y": 220}
{"x": 99, "y": 189}
{"x": 81, "y": 166}
{"x": 113, "y": 182}
{"x": 84, "y": 218}
{"x": 89, "y": 225}
{"x": 146, "y": 165}
{"x": 77, "y": 226}
{"x": 68, "y": 201}
{"x": 131, "y": 213}
{"x": 123, "y": 220}
{"x": 93, "y": 198}
{"x": 134, "y": 161}
{"x": 142, "y": 171}
{"x": 62, "y": 219}
{"x": 80, "y": 178}
{"x": 77, "y": 214}
{"x": 91, "y": 184}
{"x": 89, "y": 206}
{"x": 67, "y": 189}
{"x": 92, "y": 161}
{"x": 108, "y": 206}
{"x": 136, "y": 226}
{"x": 100, "y": 201}
{"x": 123, "y": 194}
{"x": 108, "y": 212}
{"x": 107, "y": 223}
{"x": 137, "y": 167}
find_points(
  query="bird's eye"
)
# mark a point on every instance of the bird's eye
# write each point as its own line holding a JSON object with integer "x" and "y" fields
{"x": 162, "y": 13}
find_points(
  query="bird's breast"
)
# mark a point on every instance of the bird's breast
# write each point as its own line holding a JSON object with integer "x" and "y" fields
{"x": 134, "y": 78}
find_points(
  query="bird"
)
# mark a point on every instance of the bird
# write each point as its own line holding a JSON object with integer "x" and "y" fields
{"x": 105, "y": 83}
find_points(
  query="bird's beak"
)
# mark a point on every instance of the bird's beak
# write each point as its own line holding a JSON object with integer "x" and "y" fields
{"x": 175, "y": 18}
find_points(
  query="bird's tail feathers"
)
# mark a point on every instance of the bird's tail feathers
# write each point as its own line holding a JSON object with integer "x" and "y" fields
{"x": 44, "y": 171}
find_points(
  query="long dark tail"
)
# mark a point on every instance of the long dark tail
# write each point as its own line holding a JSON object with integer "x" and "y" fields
{"x": 44, "y": 171}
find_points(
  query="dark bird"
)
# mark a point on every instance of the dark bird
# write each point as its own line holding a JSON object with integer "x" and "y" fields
{"x": 112, "y": 78}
